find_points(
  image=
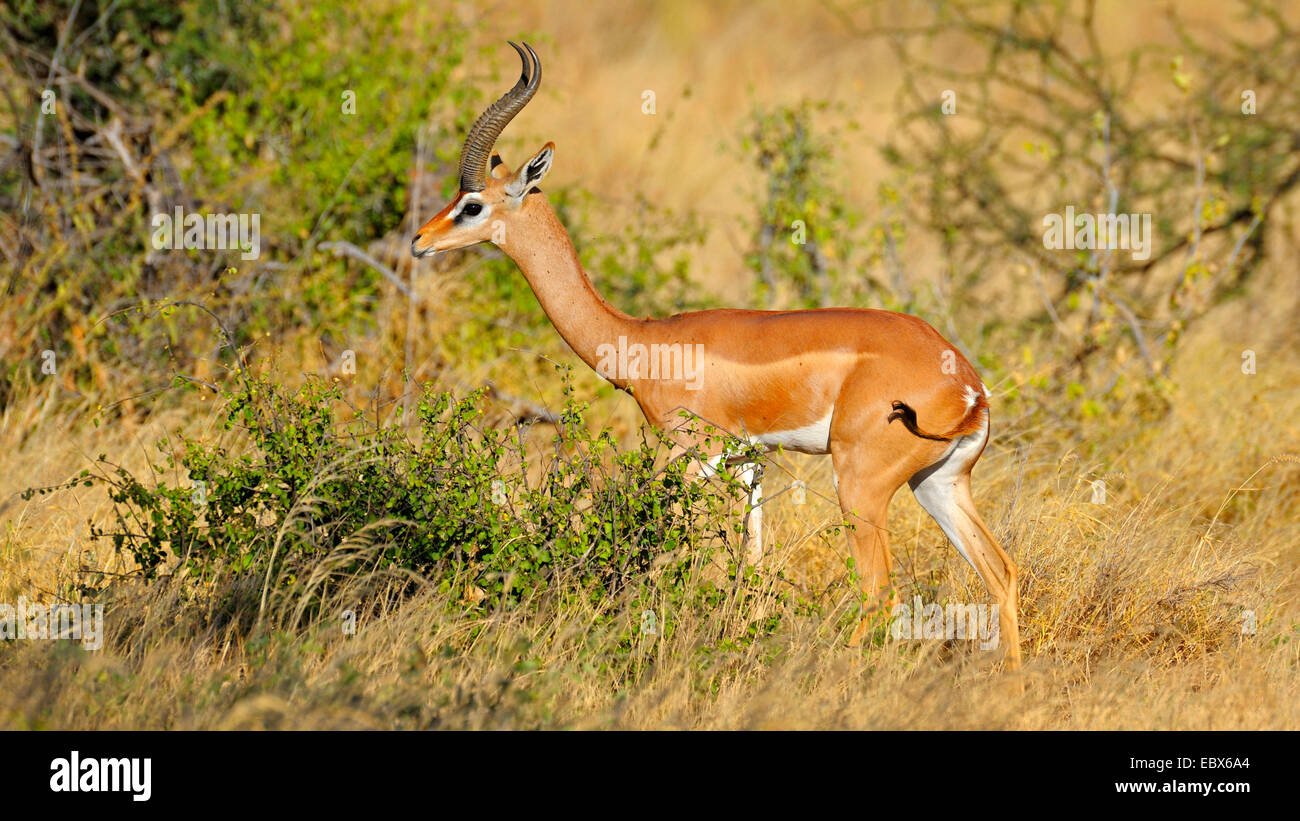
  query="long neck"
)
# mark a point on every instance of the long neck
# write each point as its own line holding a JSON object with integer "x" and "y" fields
{"x": 540, "y": 246}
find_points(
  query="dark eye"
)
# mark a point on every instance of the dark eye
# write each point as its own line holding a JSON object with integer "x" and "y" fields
{"x": 471, "y": 209}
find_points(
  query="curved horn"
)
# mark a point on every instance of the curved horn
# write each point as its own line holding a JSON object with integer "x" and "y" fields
{"x": 483, "y": 135}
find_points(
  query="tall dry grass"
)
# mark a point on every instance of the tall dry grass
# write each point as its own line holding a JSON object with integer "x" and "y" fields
{"x": 1132, "y": 611}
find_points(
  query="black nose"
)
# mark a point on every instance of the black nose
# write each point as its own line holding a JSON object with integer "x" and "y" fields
{"x": 414, "y": 252}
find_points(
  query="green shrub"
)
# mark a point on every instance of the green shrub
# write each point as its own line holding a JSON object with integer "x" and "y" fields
{"x": 280, "y": 108}
{"x": 457, "y": 503}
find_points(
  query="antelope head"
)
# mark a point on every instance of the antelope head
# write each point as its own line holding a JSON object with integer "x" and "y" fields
{"x": 488, "y": 191}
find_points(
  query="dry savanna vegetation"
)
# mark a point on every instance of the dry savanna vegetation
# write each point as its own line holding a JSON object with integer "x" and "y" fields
{"x": 325, "y": 485}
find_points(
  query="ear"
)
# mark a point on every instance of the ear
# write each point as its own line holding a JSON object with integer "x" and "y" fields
{"x": 497, "y": 167}
{"x": 531, "y": 172}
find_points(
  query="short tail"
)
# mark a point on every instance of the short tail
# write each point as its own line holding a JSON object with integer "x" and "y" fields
{"x": 969, "y": 424}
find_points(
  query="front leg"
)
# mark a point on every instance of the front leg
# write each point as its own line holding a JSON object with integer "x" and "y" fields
{"x": 750, "y": 473}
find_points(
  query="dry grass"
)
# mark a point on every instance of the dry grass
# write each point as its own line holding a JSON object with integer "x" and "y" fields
{"x": 1131, "y": 612}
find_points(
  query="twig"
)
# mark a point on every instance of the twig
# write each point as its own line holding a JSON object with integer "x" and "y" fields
{"x": 342, "y": 248}
{"x": 54, "y": 68}
{"x": 524, "y": 410}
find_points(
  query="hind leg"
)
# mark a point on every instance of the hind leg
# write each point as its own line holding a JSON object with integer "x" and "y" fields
{"x": 943, "y": 489}
{"x": 993, "y": 563}
{"x": 866, "y": 509}
{"x": 868, "y": 471}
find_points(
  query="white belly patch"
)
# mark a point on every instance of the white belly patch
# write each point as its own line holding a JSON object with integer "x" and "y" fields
{"x": 814, "y": 438}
